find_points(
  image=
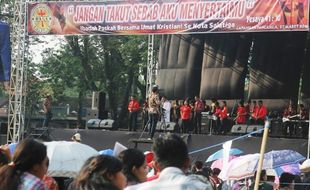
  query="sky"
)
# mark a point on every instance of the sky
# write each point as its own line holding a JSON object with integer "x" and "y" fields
{"x": 47, "y": 42}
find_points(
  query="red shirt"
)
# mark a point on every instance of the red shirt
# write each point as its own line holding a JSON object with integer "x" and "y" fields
{"x": 199, "y": 106}
{"x": 262, "y": 112}
{"x": 223, "y": 114}
{"x": 185, "y": 112}
{"x": 241, "y": 113}
{"x": 218, "y": 112}
{"x": 133, "y": 105}
{"x": 50, "y": 183}
{"x": 255, "y": 112}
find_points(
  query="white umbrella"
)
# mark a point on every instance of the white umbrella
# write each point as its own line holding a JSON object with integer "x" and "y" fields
{"x": 67, "y": 158}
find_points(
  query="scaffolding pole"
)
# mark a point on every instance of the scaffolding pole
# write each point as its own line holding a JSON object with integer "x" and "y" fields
{"x": 19, "y": 48}
{"x": 152, "y": 66}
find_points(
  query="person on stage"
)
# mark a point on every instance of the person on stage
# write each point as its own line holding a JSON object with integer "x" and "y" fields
{"x": 47, "y": 108}
{"x": 223, "y": 118}
{"x": 247, "y": 107}
{"x": 304, "y": 116}
{"x": 261, "y": 113}
{"x": 254, "y": 110}
{"x": 216, "y": 117}
{"x": 154, "y": 105}
{"x": 198, "y": 108}
{"x": 176, "y": 111}
{"x": 166, "y": 105}
{"x": 145, "y": 114}
{"x": 288, "y": 113}
{"x": 185, "y": 116}
{"x": 241, "y": 113}
{"x": 303, "y": 112}
{"x": 133, "y": 108}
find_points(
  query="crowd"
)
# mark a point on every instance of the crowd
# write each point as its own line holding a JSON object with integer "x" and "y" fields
{"x": 167, "y": 166}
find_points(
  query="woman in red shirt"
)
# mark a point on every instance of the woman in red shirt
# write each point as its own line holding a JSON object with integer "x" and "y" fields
{"x": 223, "y": 117}
{"x": 241, "y": 114}
{"x": 185, "y": 116}
{"x": 217, "y": 116}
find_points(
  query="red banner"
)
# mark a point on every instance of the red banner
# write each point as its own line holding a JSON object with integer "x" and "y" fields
{"x": 167, "y": 17}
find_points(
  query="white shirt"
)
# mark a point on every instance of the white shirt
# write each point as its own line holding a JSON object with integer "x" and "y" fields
{"x": 167, "y": 107}
{"x": 173, "y": 178}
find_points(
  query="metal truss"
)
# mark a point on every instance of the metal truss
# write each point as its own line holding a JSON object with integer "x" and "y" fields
{"x": 18, "y": 67}
{"x": 152, "y": 66}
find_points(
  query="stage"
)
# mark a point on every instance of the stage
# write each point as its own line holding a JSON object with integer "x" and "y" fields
{"x": 100, "y": 140}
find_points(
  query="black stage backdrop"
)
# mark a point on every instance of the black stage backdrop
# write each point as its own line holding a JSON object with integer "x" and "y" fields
{"x": 276, "y": 65}
{"x": 180, "y": 65}
{"x": 223, "y": 68}
{"x": 305, "y": 88}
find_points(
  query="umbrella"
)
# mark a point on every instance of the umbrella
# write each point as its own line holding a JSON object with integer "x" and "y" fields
{"x": 220, "y": 154}
{"x": 245, "y": 166}
{"x": 219, "y": 163}
{"x": 67, "y": 158}
{"x": 280, "y": 158}
{"x": 12, "y": 148}
{"x": 305, "y": 166}
{"x": 106, "y": 152}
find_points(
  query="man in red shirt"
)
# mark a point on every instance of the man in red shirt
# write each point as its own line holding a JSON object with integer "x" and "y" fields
{"x": 133, "y": 108}
{"x": 241, "y": 113}
{"x": 198, "y": 108}
{"x": 185, "y": 116}
{"x": 261, "y": 113}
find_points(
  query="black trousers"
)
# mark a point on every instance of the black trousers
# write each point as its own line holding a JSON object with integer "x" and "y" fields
{"x": 133, "y": 121}
{"x": 185, "y": 125}
{"x": 197, "y": 122}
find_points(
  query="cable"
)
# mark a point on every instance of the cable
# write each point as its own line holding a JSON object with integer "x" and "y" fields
{"x": 220, "y": 144}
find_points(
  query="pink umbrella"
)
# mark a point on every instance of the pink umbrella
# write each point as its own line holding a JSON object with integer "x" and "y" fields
{"x": 219, "y": 163}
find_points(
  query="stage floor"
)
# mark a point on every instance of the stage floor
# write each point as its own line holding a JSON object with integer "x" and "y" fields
{"x": 100, "y": 140}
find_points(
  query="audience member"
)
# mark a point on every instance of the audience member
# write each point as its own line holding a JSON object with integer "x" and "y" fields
{"x": 76, "y": 137}
{"x": 134, "y": 166}
{"x": 4, "y": 155}
{"x": 262, "y": 182}
{"x": 171, "y": 157}
{"x": 100, "y": 171}
{"x": 215, "y": 176}
{"x": 287, "y": 181}
{"x": 49, "y": 181}
{"x": 29, "y": 165}
{"x": 197, "y": 167}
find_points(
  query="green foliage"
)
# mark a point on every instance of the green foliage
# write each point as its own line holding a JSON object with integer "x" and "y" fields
{"x": 96, "y": 63}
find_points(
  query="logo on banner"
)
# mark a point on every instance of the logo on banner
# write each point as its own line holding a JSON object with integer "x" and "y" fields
{"x": 41, "y": 19}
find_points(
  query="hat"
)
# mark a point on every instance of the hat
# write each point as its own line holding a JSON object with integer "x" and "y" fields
{"x": 149, "y": 156}
{"x": 77, "y": 136}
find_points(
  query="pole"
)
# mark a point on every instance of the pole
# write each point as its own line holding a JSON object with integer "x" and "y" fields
{"x": 262, "y": 152}
{"x": 308, "y": 137}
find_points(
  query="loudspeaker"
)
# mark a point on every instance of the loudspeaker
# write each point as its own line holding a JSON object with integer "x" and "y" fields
{"x": 102, "y": 113}
{"x": 252, "y": 128}
{"x": 91, "y": 114}
{"x": 239, "y": 129}
{"x": 170, "y": 126}
{"x": 93, "y": 123}
{"x": 107, "y": 124}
